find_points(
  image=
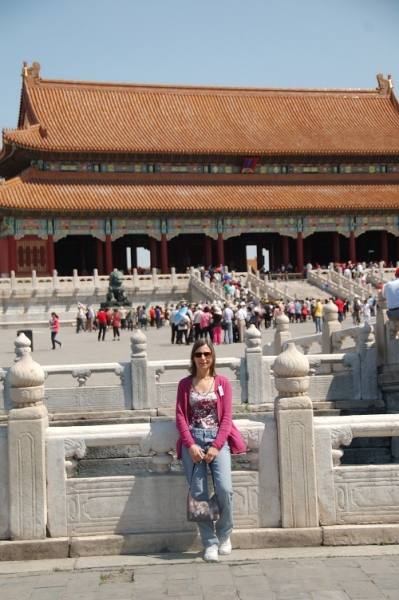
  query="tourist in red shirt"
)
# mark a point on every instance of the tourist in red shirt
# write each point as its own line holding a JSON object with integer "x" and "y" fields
{"x": 340, "y": 305}
{"x": 102, "y": 323}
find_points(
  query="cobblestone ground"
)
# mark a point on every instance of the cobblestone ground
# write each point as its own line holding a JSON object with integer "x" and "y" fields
{"x": 293, "y": 574}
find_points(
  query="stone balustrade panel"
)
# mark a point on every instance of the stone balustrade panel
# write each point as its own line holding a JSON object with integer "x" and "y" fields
{"x": 150, "y": 501}
{"x": 361, "y": 494}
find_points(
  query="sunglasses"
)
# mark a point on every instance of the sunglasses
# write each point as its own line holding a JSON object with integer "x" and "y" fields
{"x": 199, "y": 354}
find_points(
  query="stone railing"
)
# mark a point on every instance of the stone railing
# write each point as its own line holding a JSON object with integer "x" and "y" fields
{"x": 269, "y": 289}
{"x": 291, "y": 479}
{"x": 31, "y": 299}
{"x": 357, "y": 494}
{"x": 205, "y": 290}
{"x": 375, "y": 276}
{"x": 338, "y": 285}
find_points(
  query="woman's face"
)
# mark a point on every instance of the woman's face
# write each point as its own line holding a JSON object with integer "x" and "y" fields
{"x": 203, "y": 357}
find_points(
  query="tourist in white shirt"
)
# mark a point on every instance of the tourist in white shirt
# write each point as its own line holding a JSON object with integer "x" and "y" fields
{"x": 228, "y": 317}
{"x": 197, "y": 322}
{"x": 241, "y": 317}
{"x": 390, "y": 291}
{"x": 172, "y": 314}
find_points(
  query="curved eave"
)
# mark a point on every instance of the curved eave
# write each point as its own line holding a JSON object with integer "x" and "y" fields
{"x": 82, "y": 194}
{"x": 241, "y": 152}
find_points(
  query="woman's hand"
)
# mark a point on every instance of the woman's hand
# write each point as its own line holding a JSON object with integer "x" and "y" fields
{"x": 211, "y": 454}
{"x": 196, "y": 453}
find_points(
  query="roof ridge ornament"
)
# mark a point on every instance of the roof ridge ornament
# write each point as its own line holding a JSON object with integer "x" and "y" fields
{"x": 31, "y": 74}
{"x": 384, "y": 85}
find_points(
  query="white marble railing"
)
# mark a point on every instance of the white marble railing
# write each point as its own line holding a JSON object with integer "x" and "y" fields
{"x": 291, "y": 455}
{"x": 305, "y": 342}
{"x": 92, "y": 284}
{"x": 354, "y": 494}
{"x": 270, "y": 289}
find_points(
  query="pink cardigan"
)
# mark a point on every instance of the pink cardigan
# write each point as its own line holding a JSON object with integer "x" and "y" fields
{"x": 227, "y": 430}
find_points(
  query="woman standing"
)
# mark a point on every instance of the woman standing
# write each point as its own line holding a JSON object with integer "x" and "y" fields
{"x": 55, "y": 327}
{"x": 217, "y": 326}
{"x": 116, "y": 325}
{"x": 207, "y": 435}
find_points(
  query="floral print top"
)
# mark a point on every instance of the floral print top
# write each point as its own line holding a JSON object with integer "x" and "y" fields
{"x": 203, "y": 410}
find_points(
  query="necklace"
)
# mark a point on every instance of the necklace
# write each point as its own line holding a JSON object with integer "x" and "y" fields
{"x": 204, "y": 393}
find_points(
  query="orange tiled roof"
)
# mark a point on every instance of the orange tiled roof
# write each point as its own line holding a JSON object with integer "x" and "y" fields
{"x": 70, "y": 116}
{"x": 117, "y": 194}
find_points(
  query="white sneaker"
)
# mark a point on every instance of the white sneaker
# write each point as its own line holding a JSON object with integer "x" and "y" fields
{"x": 225, "y": 545}
{"x": 211, "y": 553}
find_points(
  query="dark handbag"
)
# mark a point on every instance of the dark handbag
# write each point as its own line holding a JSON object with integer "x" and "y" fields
{"x": 202, "y": 510}
{"x": 225, "y": 325}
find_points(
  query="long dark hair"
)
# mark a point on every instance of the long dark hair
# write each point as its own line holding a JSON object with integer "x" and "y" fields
{"x": 200, "y": 343}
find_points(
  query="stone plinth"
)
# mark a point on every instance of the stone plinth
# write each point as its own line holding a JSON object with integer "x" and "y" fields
{"x": 330, "y": 324}
{"x": 294, "y": 417}
{"x": 253, "y": 358}
{"x": 26, "y": 447}
{"x": 139, "y": 372}
{"x": 282, "y": 334}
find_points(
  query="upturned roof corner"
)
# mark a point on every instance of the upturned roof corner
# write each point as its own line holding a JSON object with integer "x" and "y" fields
{"x": 31, "y": 74}
{"x": 385, "y": 86}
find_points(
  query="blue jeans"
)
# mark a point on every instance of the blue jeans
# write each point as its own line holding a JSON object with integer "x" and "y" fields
{"x": 221, "y": 471}
{"x": 318, "y": 324}
{"x": 228, "y": 333}
{"x": 393, "y": 314}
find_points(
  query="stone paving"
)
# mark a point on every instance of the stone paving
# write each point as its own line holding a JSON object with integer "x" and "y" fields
{"x": 84, "y": 348}
{"x": 350, "y": 573}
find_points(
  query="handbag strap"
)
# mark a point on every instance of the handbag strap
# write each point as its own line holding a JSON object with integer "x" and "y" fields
{"x": 192, "y": 475}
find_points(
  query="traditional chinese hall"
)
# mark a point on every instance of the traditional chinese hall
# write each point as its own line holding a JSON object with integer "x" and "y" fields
{"x": 195, "y": 175}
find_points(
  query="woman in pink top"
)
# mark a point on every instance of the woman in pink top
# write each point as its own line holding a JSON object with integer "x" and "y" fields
{"x": 55, "y": 327}
{"x": 207, "y": 436}
{"x": 205, "y": 323}
{"x": 116, "y": 324}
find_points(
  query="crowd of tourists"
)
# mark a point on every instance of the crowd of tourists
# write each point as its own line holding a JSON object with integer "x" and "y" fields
{"x": 219, "y": 322}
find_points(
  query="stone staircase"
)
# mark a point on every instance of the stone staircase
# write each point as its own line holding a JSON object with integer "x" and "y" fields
{"x": 287, "y": 290}
{"x": 205, "y": 291}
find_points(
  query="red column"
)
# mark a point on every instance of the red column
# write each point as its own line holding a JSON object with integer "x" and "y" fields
{"x": 299, "y": 252}
{"x": 108, "y": 254}
{"x": 164, "y": 254}
{"x": 336, "y": 247}
{"x": 4, "y": 266}
{"x": 208, "y": 251}
{"x": 99, "y": 257}
{"x": 285, "y": 249}
{"x": 384, "y": 246}
{"x": 12, "y": 253}
{"x": 352, "y": 246}
{"x": 50, "y": 254}
{"x": 153, "y": 253}
{"x": 220, "y": 249}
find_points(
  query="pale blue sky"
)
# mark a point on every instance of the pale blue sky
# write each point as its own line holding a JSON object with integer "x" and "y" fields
{"x": 261, "y": 43}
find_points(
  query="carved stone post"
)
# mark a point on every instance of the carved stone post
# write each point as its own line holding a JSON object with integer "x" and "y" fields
{"x": 253, "y": 359}
{"x": 294, "y": 417}
{"x": 282, "y": 333}
{"x": 368, "y": 362}
{"x": 139, "y": 370}
{"x": 330, "y": 324}
{"x": 381, "y": 339}
{"x": 27, "y": 423}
